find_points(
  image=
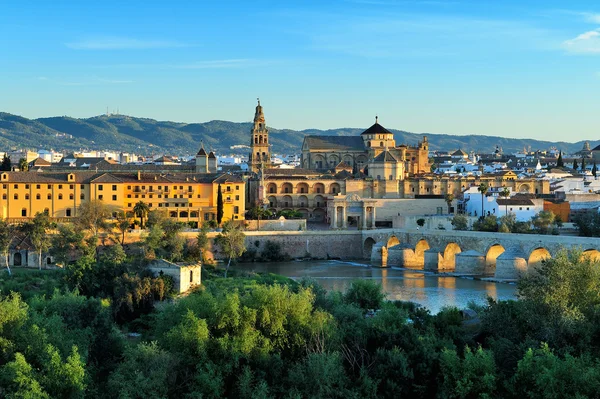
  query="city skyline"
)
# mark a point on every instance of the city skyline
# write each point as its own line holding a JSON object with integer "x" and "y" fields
{"x": 514, "y": 69}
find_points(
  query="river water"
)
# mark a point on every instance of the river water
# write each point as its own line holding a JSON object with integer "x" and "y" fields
{"x": 428, "y": 289}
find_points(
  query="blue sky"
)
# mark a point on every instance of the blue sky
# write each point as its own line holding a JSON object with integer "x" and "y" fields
{"x": 507, "y": 68}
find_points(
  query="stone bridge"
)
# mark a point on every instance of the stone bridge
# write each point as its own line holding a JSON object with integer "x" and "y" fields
{"x": 502, "y": 255}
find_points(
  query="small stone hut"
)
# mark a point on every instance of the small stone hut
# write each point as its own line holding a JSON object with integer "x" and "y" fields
{"x": 185, "y": 275}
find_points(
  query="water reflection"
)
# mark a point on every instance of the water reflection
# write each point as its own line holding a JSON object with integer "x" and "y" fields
{"x": 430, "y": 290}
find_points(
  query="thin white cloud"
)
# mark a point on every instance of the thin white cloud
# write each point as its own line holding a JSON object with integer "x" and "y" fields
{"x": 121, "y": 43}
{"x": 592, "y": 17}
{"x": 586, "y": 43}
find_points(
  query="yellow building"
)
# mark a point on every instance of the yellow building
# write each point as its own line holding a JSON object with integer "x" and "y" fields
{"x": 187, "y": 197}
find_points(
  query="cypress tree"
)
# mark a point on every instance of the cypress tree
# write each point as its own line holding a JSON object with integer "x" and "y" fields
{"x": 575, "y": 165}
{"x": 559, "y": 161}
{"x": 583, "y": 164}
{"x": 6, "y": 165}
{"x": 594, "y": 170}
{"x": 219, "y": 205}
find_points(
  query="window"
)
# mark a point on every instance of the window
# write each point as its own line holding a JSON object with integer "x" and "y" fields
{"x": 237, "y": 188}
{"x": 82, "y": 187}
{"x": 128, "y": 195}
{"x": 100, "y": 187}
{"x": 27, "y": 187}
{"x": 68, "y": 212}
{"x": 3, "y": 196}
{"x": 16, "y": 186}
{"x": 49, "y": 196}
{"x": 71, "y": 196}
{"x": 191, "y": 276}
{"x": 16, "y": 196}
{"x": 24, "y": 212}
{"x": 198, "y": 195}
{"x": 236, "y": 209}
{"x": 114, "y": 187}
{"x": 37, "y": 197}
{"x": 49, "y": 187}
{"x": 38, "y": 186}
{"x": 128, "y": 187}
{"x": 128, "y": 205}
{"x": 82, "y": 196}
{"x": 60, "y": 186}
{"x": 59, "y": 196}
{"x": 520, "y": 208}
{"x": 26, "y": 196}
{"x": 114, "y": 197}
{"x": 100, "y": 197}
{"x": 206, "y": 217}
{"x": 150, "y": 196}
{"x": 4, "y": 186}
{"x": 237, "y": 197}
{"x": 190, "y": 188}
{"x": 228, "y": 188}
{"x": 71, "y": 187}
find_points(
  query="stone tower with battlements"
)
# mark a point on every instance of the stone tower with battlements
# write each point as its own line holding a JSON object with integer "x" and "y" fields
{"x": 260, "y": 154}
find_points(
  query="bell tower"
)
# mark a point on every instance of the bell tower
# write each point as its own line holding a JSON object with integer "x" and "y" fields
{"x": 260, "y": 154}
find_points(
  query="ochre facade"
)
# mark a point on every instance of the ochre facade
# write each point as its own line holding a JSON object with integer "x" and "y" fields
{"x": 184, "y": 197}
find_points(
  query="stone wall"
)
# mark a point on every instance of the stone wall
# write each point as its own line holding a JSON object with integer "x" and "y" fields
{"x": 319, "y": 244}
{"x": 431, "y": 222}
{"x": 276, "y": 225}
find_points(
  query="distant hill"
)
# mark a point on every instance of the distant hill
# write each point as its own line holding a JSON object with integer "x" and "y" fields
{"x": 143, "y": 135}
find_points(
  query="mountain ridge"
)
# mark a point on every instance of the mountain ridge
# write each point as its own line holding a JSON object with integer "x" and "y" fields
{"x": 147, "y": 135}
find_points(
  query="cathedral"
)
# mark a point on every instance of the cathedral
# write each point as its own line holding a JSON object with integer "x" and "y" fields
{"x": 374, "y": 153}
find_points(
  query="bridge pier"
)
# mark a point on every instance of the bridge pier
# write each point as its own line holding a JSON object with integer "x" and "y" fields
{"x": 434, "y": 260}
{"x": 404, "y": 256}
{"x": 510, "y": 265}
{"x": 379, "y": 255}
{"x": 470, "y": 262}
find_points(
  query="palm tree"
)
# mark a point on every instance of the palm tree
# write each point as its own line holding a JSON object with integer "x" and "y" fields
{"x": 505, "y": 193}
{"x": 483, "y": 189}
{"x": 23, "y": 165}
{"x": 141, "y": 209}
{"x": 449, "y": 198}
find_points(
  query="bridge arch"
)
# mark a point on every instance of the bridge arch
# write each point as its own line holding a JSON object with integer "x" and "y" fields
{"x": 537, "y": 256}
{"x": 420, "y": 248}
{"x": 368, "y": 247}
{"x": 450, "y": 252}
{"x": 392, "y": 241}
{"x": 492, "y": 254}
{"x": 592, "y": 253}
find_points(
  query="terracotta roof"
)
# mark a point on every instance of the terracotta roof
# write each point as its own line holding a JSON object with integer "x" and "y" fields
{"x": 352, "y": 143}
{"x": 514, "y": 201}
{"x": 39, "y": 162}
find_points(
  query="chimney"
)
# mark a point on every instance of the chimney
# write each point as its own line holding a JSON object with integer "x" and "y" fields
{"x": 139, "y": 175}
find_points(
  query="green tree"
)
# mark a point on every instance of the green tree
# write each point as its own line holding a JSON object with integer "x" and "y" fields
{"x": 483, "y": 189}
{"x": 559, "y": 161}
{"x": 66, "y": 243}
{"x": 6, "y": 237}
{"x": 231, "y": 241}
{"x": 202, "y": 241}
{"x": 219, "y": 205}
{"x": 575, "y": 165}
{"x": 259, "y": 212}
{"x": 18, "y": 380}
{"x": 156, "y": 218}
{"x": 449, "y": 198}
{"x": 594, "y": 170}
{"x": 365, "y": 294}
{"x": 471, "y": 377}
{"x": 508, "y": 223}
{"x": 141, "y": 209}
{"x": 92, "y": 216}
{"x": 543, "y": 222}
{"x": 460, "y": 222}
{"x": 23, "y": 167}
{"x": 153, "y": 241}
{"x": 420, "y": 222}
{"x": 588, "y": 224}
{"x": 38, "y": 234}
{"x": 488, "y": 223}
{"x": 6, "y": 164}
{"x": 505, "y": 193}
{"x": 122, "y": 225}
{"x": 583, "y": 164}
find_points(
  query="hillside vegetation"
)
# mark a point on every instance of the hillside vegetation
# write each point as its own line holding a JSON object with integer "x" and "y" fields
{"x": 143, "y": 135}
